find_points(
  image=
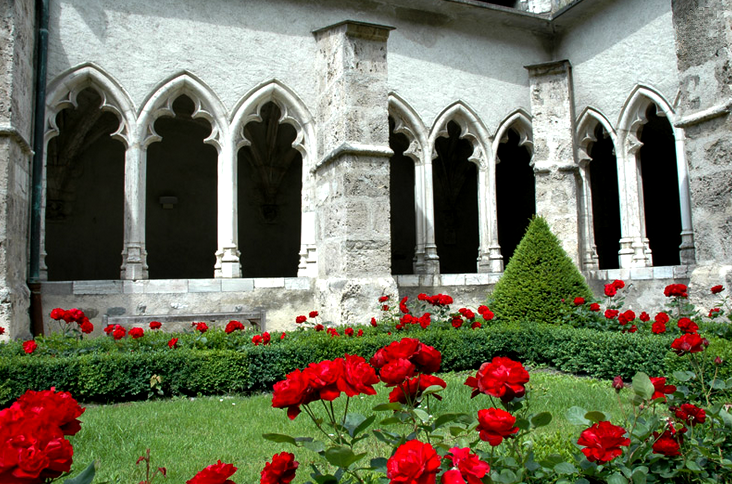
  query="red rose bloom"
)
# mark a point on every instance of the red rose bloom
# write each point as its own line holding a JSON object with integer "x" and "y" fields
{"x": 52, "y": 408}
{"x": 611, "y": 313}
{"x": 202, "y": 327}
{"x": 661, "y": 318}
{"x": 594, "y": 307}
{"x": 687, "y": 325}
{"x": 232, "y": 326}
{"x": 715, "y": 289}
{"x": 324, "y": 378}
{"x": 610, "y": 290}
{"x": 266, "y": 338}
{"x": 292, "y": 392}
{"x": 86, "y": 326}
{"x": 413, "y": 462}
{"x": 475, "y": 325}
{"x": 357, "y": 377}
{"x": 396, "y": 372}
{"x": 658, "y": 328}
{"x": 415, "y": 387}
{"x": 383, "y": 299}
{"x": 714, "y": 312}
{"x": 689, "y": 343}
{"x": 675, "y": 290}
{"x": 119, "y": 332}
{"x": 348, "y": 331}
{"x": 257, "y": 339}
{"x": 667, "y": 444}
{"x": 502, "y": 378}
{"x": 155, "y": 324}
{"x": 373, "y": 322}
{"x": 57, "y": 314}
{"x": 319, "y": 327}
{"x": 602, "y": 442}
{"x": 403, "y": 305}
{"x": 691, "y": 414}
{"x": 301, "y": 319}
{"x": 359, "y": 333}
{"x": 2, "y": 330}
{"x": 136, "y": 333}
{"x": 385, "y": 307}
{"x": 457, "y": 322}
{"x": 579, "y": 301}
{"x": 495, "y": 424}
{"x": 626, "y": 317}
{"x": 29, "y": 346}
{"x": 644, "y": 317}
{"x": 633, "y": 328}
{"x": 173, "y": 343}
{"x": 109, "y": 328}
{"x": 468, "y": 466}
{"x": 313, "y": 314}
{"x": 281, "y": 470}
{"x": 218, "y": 473}
{"x": 661, "y": 389}
{"x": 618, "y": 383}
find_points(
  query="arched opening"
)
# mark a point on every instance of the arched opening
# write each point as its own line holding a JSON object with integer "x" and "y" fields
{"x": 85, "y": 194}
{"x": 605, "y": 199}
{"x": 181, "y": 197}
{"x": 401, "y": 198}
{"x": 455, "y": 181}
{"x": 515, "y": 193}
{"x": 661, "y": 204}
{"x": 269, "y": 191}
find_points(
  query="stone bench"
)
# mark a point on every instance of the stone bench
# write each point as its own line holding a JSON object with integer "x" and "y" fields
{"x": 183, "y": 320}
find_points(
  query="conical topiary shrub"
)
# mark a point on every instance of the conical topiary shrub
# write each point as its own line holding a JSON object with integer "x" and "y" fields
{"x": 539, "y": 275}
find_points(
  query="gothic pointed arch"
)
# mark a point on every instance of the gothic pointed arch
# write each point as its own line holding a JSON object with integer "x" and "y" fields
{"x": 63, "y": 93}
{"x": 600, "y": 216}
{"x": 206, "y": 105}
{"x": 515, "y": 190}
{"x": 653, "y": 159}
{"x": 472, "y": 129}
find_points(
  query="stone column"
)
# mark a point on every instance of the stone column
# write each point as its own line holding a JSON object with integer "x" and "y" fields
{"x": 352, "y": 174}
{"x": 227, "y": 254}
{"x": 555, "y": 167}
{"x": 703, "y": 42}
{"x": 16, "y": 121}
{"x": 134, "y": 255}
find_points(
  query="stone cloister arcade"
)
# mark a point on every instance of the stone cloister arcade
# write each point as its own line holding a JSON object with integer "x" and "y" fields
{"x": 182, "y": 187}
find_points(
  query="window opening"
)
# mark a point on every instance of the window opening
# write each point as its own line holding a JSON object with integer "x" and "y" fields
{"x": 605, "y": 199}
{"x": 401, "y": 196}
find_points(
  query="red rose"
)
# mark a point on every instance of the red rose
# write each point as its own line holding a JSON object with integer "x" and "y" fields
{"x": 502, "y": 378}
{"x": 29, "y": 346}
{"x": 52, "y": 408}
{"x": 626, "y": 317}
{"x": 383, "y": 299}
{"x": 468, "y": 466}
{"x": 667, "y": 444}
{"x": 319, "y": 327}
{"x": 495, "y": 424}
{"x": 611, "y": 313}
{"x": 2, "y": 330}
{"x": 618, "y": 284}
{"x": 633, "y": 328}
{"x": 324, "y": 377}
{"x": 644, "y": 317}
{"x": 348, "y": 331}
{"x": 403, "y": 305}
{"x": 202, "y": 327}
{"x": 713, "y": 313}
{"x": 427, "y": 359}
{"x": 266, "y": 338}
{"x": 218, "y": 473}
{"x": 385, "y": 307}
{"x": 57, "y": 314}
{"x": 109, "y": 328}
{"x": 281, "y": 470}
{"x": 689, "y": 343}
{"x": 232, "y": 326}
{"x": 332, "y": 332}
{"x": 715, "y": 289}
{"x": 301, "y": 319}
{"x": 173, "y": 343}
{"x": 86, "y": 326}
{"x": 467, "y": 313}
{"x": 373, "y": 322}
{"x": 457, "y": 322}
{"x": 687, "y": 325}
{"x": 602, "y": 442}
{"x": 691, "y": 414}
{"x": 610, "y": 290}
{"x": 313, "y": 314}
{"x": 594, "y": 307}
{"x": 475, "y": 325}
{"x": 292, "y": 392}
{"x": 579, "y": 301}
{"x": 618, "y": 383}
{"x": 675, "y": 290}
{"x": 357, "y": 377}
{"x": 155, "y": 324}
{"x": 119, "y": 332}
{"x": 413, "y": 462}
{"x": 660, "y": 388}
{"x": 658, "y": 328}
{"x": 414, "y": 388}
{"x": 661, "y": 318}
{"x": 359, "y": 333}
{"x": 487, "y": 314}
{"x": 257, "y": 339}
{"x": 282, "y": 336}
{"x": 136, "y": 333}
{"x": 396, "y": 372}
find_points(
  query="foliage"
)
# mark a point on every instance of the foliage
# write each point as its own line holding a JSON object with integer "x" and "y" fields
{"x": 539, "y": 276}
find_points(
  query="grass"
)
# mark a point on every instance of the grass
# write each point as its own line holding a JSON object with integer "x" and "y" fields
{"x": 185, "y": 435}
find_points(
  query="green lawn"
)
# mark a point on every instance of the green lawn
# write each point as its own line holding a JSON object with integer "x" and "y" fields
{"x": 185, "y": 435}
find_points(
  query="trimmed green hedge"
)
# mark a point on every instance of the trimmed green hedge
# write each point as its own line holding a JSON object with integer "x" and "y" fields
{"x": 118, "y": 374}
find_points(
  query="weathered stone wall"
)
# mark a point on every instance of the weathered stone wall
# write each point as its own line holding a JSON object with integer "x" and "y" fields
{"x": 16, "y": 102}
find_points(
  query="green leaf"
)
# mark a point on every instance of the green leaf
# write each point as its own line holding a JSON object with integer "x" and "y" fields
{"x": 595, "y": 416}
{"x": 541, "y": 420}
{"x": 280, "y": 438}
{"x": 576, "y": 416}
{"x": 432, "y": 389}
{"x": 582, "y": 481}
{"x": 445, "y": 418}
{"x": 342, "y": 457}
{"x": 315, "y": 445}
{"x": 617, "y": 478}
{"x": 85, "y": 477}
{"x": 421, "y": 415}
{"x": 379, "y": 464}
{"x": 640, "y": 475}
{"x": 507, "y": 476}
{"x": 693, "y": 466}
{"x": 726, "y": 417}
{"x": 684, "y": 375}
{"x": 642, "y": 386}
{"x": 391, "y": 421}
{"x": 383, "y": 407}
{"x": 353, "y": 420}
{"x": 718, "y": 384}
{"x": 565, "y": 468}
{"x": 364, "y": 425}
{"x": 523, "y": 424}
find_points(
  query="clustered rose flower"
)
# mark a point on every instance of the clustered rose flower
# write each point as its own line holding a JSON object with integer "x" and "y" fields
{"x": 424, "y": 321}
{"x": 658, "y": 328}
{"x": 173, "y": 343}
{"x": 660, "y": 389}
{"x": 400, "y": 360}
{"x": 495, "y": 425}
{"x": 155, "y": 324}
{"x": 689, "y": 343}
{"x": 713, "y": 313}
{"x": 626, "y": 317}
{"x": 436, "y": 300}
{"x": 409, "y": 391}
{"x": 486, "y": 313}
{"x": 383, "y": 299}
{"x": 611, "y": 313}
{"x": 301, "y": 319}
{"x": 218, "y": 473}
{"x": 324, "y": 381}
{"x": 403, "y": 305}
{"x": 595, "y": 307}
{"x": 502, "y": 378}
{"x": 610, "y": 290}
{"x": 414, "y": 462}
{"x": 30, "y": 346}
{"x": 313, "y": 314}
{"x": 263, "y": 338}
{"x": 281, "y": 470}
{"x": 686, "y": 325}
{"x": 32, "y": 436}
{"x": 644, "y": 316}
{"x": 466, "y": 467}
{"x": 232, "y": 326}
{"x": 602, "y": 442}
{"x": 73, "y": 316}
{"x": 717, "y": 289}
{"x": 668, "y": 443}
{"x": 201, "y": 327}
{"x": 579, "y": 301}
{"x": 675, "y": 290}
{"x": 662, "y": 318}
{"x": 136, "y": 333}
{"x": 690, "y": 413}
